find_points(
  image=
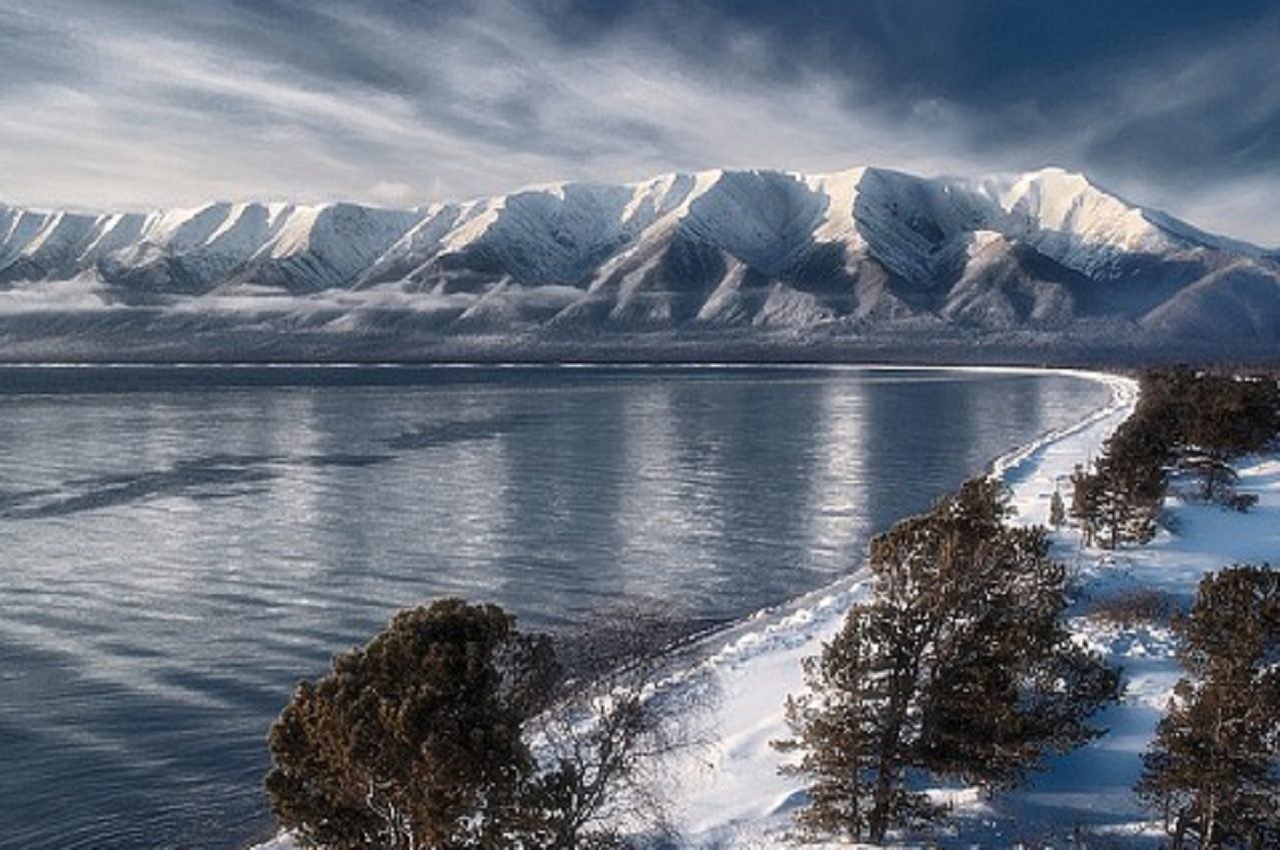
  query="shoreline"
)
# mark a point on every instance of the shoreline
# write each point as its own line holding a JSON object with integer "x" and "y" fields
{"x": 735, "y": 799}
{"x": 1118, "y": 408}
{"x": 730, "y": 793}
{"x": 736, "y": 796}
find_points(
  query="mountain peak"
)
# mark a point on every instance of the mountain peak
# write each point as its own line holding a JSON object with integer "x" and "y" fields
{"x": 861, "y": 247}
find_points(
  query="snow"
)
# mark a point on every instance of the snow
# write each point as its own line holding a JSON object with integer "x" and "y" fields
{"x": 294, "y": 233}
{"x": 786, "y": 306}
{"x": 113, "y": 233}
{"x": 910, "y": 247}
{"x": 841, "y": 189}
{"x": 730, "y": 794}
{"x": 561, "y": 231}
{"x": 1069, "y": 218}
{"x": 733, "y": 796}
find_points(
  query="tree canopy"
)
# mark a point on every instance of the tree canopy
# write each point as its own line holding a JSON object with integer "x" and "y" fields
{"x": 1213, "y": 769}
{"x": 452, "y": 730}
{"x": 959, "y": 665}
{"x": 413, "y": 741}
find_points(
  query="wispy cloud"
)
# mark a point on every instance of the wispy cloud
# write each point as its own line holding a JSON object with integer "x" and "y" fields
{"x": 142, "y": 103}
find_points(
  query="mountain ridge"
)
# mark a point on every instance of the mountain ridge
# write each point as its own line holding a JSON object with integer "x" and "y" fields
{"x": 791, "y": 257}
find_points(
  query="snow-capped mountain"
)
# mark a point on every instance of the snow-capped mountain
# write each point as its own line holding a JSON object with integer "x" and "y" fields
{"x": 1042, "y": 261}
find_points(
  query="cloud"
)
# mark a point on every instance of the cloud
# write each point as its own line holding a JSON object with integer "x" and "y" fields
{"x": 141, "y": 103}
{"x": 392, "y": 193}
{"x": 78, "y": 295}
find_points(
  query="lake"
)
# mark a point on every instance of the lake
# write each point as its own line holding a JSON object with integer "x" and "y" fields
{"x": 181, "y": 545}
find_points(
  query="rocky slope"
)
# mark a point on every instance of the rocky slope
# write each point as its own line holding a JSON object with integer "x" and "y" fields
{"x": 1044, "y": 264}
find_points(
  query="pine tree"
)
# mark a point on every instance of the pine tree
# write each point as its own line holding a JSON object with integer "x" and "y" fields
{"x": 413, "y": 741}
{"x": 855, "y": 732}
{"x": 1213, "y": 769}
{"x": 1057, "y": 511}
{"x": 1226, "y": 417}
{"x": 958, "y": 665}
{"x": 1216, "y": 475}
{"x": 1086, "y": 493}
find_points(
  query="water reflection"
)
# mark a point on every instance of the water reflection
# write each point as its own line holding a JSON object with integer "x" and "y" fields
{"x": 175, "y": 558}
{"x": 838, "y": 519}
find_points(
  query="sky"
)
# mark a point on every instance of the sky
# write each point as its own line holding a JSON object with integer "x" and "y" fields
{"x": 130, "y": 104}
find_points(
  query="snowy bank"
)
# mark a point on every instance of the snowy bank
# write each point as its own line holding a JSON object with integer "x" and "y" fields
{"x": 732, "y": 795}
{"x": 735, "y": 799}
{"x": 729, "y": 795}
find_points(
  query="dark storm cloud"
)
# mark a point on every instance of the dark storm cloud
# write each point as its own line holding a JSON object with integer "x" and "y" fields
{"x": 1013, "y": 70}
{"x": 142, "y": 101}
{"x": 970, "y": 49}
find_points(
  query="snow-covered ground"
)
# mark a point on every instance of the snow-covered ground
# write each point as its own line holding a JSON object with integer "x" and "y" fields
{"x": 733, "y": 797}
{"x": 730, "y": 795}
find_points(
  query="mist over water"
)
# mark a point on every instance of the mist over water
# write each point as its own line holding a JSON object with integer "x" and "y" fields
{"x": 181, "y": 546}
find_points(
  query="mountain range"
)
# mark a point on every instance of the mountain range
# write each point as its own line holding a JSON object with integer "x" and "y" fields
{"x": 867, "y": 262}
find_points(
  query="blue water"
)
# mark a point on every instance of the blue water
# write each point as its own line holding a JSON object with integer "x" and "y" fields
{"x": 181, "y": 545}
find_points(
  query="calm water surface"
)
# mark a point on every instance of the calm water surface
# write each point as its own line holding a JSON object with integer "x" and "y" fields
{"x": 181, "y": 545}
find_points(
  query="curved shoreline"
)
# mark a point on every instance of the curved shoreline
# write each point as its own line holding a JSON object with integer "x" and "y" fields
{"x": 733, "y": 789}
{"x": 735, "y": 792}
{"x": 1003, "y": 466}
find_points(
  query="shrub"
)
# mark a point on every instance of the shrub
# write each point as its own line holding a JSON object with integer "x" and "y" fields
{"x": 1133, "y": 608}
{"x": 415, "y": 739}
{"x": 1242, "y": 502}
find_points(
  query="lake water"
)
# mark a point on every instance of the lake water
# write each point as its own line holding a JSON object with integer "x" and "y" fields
{"x": 181, "y": 545}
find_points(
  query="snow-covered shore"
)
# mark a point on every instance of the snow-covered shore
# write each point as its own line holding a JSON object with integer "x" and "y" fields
{"x": 735, "y": 798}
{"x": 730, "y": 795}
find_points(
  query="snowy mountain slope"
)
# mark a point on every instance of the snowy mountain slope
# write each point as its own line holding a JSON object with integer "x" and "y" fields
{"x": 867, "y": 250}
{"x": 1242, "y": 299}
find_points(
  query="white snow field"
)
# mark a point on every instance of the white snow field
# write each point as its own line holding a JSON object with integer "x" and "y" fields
{"x": 730, "y": 795}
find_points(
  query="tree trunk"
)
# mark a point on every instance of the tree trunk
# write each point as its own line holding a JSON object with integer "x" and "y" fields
{"x": 1179, "y": 832}
{"x": 878, "y": 817}
{"x": 1209, "y": 839}
{"x": 901, "y": 684}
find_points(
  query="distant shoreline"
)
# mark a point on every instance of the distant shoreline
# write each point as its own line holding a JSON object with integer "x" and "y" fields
{"x": 112, "y": 377}
{"x": 140, "y": 343}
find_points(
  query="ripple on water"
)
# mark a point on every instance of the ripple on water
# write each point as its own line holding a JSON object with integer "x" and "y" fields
{"x": 179, "y": 554}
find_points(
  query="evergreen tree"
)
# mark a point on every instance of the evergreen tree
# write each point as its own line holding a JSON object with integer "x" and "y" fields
{"x": 1057, "y": 510}
{"x": 1215, "y": 473}
{"x": 958, "y": 665}
{"x": 849, "y": 731}
{"x": 413, "y": 741}
{"x": 453, "y": 730}
{"x": 1213, "y": 769}
{"x": 1226, "y": 418}
{"x": 1086, "y": 503}
{"x": 1229, "y": 416}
